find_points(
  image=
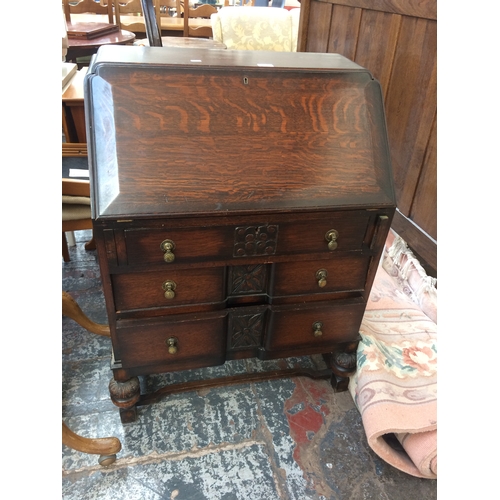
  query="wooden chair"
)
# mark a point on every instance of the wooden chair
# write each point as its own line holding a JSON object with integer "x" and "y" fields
{"x": 107, "y": 447}
{"x": 203, "y": 11}
{"x": 88, "y": 7}
{"x": 129, "y": 15}
{"x": 76, "y": 214}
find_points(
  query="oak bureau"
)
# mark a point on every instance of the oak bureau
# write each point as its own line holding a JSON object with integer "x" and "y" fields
{"x": 240, "y": 201}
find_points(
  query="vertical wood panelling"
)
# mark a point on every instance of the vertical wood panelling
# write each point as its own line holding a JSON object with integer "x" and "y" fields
{"x": 411, "y": 104}
{"x": 397, "y": 41}
{"x": 424, "y": 208}
{"x": 344, "y": 31}
{"x": 379, "y": 57}
{"x": 320, "y": 17}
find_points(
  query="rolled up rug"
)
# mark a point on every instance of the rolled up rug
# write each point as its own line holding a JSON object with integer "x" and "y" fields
{"x": 395, "y": 386}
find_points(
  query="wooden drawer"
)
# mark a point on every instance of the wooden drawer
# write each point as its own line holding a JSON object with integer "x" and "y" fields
{"x": 199, "y": 341}
{"x": 294, "y": 328}
{"x": 278, "y": 236}
{"x": 343, "y": 273}
{"x": 143, "y": 246}
{"x": 147, "y": 290}
{"x": 309, "y": 236}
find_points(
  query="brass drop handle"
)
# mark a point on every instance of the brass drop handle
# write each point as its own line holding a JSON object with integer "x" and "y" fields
{"x": 168, "y": 246}
{"x": 169, "y": 286}
{"x": 332, "y": 236}
{"x": 317, "y": 326}
{"x": 172, "y": 345}
{"x": 321, "y": 276}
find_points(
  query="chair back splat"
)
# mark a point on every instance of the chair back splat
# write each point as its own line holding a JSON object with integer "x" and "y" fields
{"x": 203, "y": 11}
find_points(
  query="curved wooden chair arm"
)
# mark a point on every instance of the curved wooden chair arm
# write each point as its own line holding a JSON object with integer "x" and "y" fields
{"x": 72, "y": 310}
{"x": 106, "y": 447}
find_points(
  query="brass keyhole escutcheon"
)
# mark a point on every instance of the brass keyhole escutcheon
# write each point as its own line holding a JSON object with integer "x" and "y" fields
{"x": 332, "y": 236}
{"x": 169, "y": 287}
{"x": 168, "y": 246}
{"x": 172, "y": 345}
{"x": 317, "y": 326}
{"x": 321, "y": 275}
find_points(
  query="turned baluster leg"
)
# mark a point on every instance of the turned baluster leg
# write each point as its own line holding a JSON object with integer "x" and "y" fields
{"x": 125, "y": 395}
{"x": 343, "y": 362}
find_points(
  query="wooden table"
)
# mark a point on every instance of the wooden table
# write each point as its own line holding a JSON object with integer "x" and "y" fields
{"x": 73, "y": 116}
{"x": 81, "y": 47}
{"x": 170, "y": 26}
{"x": 187, "y": 42}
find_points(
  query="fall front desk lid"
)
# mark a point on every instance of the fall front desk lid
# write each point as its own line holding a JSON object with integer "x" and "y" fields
{"x": 184, "y": 131}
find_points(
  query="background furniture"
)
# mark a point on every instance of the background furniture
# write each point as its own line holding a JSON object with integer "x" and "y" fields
{"x": 396, "y": 41}
{"x": 266, "y": 250}
{"x": 257, "y": 28}
{"x": 82, "y": 47}
{"x": 155, "y": 40}
{"x": 129, "y": 15}
{"x": 88, "y": 7}
{"x": 107, "y": 447}
{"x": 76, "y": 213}
{"x": 73, "y": 116}
{"x": 203, "y": 12}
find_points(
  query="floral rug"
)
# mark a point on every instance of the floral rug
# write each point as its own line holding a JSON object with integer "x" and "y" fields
{"x": 395, "y": 386}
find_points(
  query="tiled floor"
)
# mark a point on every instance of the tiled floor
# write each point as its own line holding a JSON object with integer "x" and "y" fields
{"x": 289, "y": 439}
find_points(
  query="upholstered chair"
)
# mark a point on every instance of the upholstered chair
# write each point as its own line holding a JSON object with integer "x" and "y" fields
{"x": 256, "y": 28}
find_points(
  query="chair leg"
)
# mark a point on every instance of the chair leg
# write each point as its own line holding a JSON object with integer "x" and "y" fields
{"x": 65, "y": 251}
{"x": 72, "y": 310}
{"x": 106, "y": 447}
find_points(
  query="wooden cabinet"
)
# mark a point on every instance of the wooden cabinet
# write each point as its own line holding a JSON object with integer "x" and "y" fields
{"x": 240, "y": 200}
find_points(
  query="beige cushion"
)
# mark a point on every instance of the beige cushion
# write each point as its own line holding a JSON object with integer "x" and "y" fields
{"x": 256, "y": 28}
{"x": 75, "y": 212}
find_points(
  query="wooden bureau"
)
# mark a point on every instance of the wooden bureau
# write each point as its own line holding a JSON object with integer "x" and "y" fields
{"x": 240, "y": 200}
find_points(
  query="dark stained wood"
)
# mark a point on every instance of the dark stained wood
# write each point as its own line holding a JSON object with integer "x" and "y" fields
{"x": 425, "y": 9}
{"x": 211, "y": 252}
{"x": 397, "y": 42}
{"x": 424, "y": 208}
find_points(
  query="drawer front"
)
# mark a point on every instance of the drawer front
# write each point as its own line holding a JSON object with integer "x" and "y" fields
{"x": 168, "y": 288}
{"x": 146, "y": 246}
{"x": 343, "y": 273}
{"x": 176, "y": 344}
{"x": 346, "y": 231}
{"x": 315, "y": 326}
{"x": 334, "y": 232}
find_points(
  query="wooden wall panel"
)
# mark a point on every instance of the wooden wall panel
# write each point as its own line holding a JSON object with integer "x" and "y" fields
{"x": 411, "y": 104}
{"x": 320, "y": 18}
{"x": 378, "y": 57}
{"x": 424, "y": 209}
{"x": 396, "y": 40}
{"x": 344, "y": 31}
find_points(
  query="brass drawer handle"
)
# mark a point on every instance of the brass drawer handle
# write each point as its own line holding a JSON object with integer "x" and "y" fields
{"x": 172, "y": 345}
{"x": 317, "y": 326}
{"x": 168, "y": 246}
{"x": 331, "y": 236}
{"x": 321, "y": 276}
{"x": 169, "y": 287}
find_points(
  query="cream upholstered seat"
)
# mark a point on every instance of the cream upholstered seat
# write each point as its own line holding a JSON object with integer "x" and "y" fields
{"x": 76, "y": 212}
{"x": 256, "y": 28}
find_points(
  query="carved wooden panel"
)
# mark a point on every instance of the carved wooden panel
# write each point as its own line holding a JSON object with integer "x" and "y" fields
{"x": 247, "y": 279}
{"x": 245, "y": 330}
{"x": 250, "y": 241}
